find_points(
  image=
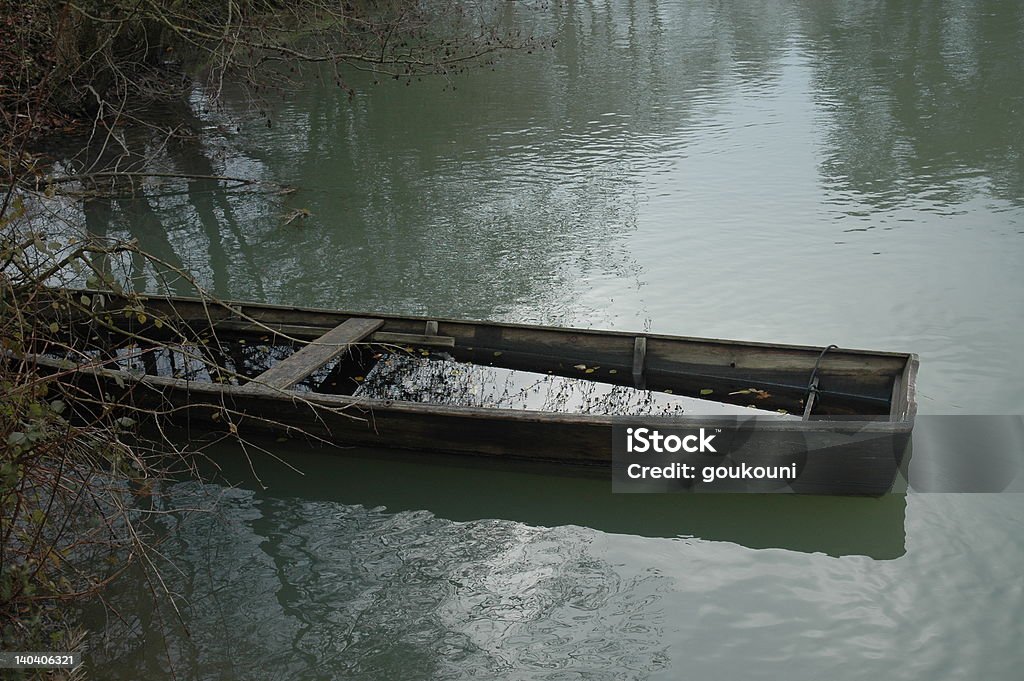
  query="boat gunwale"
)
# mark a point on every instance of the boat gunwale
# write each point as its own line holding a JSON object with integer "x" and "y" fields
{"x": 880, "y": 423}
{"x": 228, "y": 305}
{"x": 903, "y": 405}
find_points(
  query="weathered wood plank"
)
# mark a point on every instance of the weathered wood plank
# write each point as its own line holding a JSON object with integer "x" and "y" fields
{"x": 904, "y": 405}
{"x": 312, "y": 332}
{"x": 309, "y": 358}
{"x": 587, "y": 343}
{"x": 852, "y": 381}
{"x": 639, "y": 358}
{"x": 427, "y": 341}
{"x": 299, "y": 331}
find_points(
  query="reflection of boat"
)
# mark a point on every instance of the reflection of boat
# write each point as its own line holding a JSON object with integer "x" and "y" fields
{"x": 429, "y": 385}
{"x": 466, "y": 490}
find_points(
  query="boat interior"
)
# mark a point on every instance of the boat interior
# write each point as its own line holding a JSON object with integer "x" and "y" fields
{"x": 452, "y": 362}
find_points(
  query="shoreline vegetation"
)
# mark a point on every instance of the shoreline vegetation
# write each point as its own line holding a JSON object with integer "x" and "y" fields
{"x": 78, "y": 484}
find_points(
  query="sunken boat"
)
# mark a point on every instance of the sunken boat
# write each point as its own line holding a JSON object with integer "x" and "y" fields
{"x": 563, "y": 396}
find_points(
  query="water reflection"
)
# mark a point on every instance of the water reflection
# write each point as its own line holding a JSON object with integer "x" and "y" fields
{"x": 272, "y": 588}
{"x": 371, "y": 566}
{"x": 796, "y": 171}
{"x": 923, "y": 102}
{"x": 461, "y": 489}
{"x": 662, "y": 153}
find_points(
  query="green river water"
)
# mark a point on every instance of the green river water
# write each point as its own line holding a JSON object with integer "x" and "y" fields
{"x": 807, "y": 171}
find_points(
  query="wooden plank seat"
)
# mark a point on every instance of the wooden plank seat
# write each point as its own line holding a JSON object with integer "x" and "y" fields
{"x": 292, "y": 370}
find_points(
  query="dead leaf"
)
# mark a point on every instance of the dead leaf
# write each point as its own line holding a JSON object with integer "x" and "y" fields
{"x": 292, "y": 216}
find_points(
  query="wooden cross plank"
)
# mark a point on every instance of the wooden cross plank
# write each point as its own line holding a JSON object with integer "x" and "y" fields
{"x": 309, "y": 358}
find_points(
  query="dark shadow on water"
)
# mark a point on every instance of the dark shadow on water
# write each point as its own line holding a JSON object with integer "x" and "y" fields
{"x": 461, "y": 489}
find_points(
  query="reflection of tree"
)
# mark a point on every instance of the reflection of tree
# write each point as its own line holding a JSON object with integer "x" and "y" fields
{"x": 146, "y": 227}
{"x": 923, "y": 99}
{"x": 514, "y": 190}
{"x": 411, "y": 378}
{"x": 286, "y": 588}
{"x": 478, "y": 200}
{"x": 216, "y": 215}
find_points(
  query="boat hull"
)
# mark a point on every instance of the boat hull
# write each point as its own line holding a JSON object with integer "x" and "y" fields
{"x": 848, "y": 457}
{"x": 858, "y": 405}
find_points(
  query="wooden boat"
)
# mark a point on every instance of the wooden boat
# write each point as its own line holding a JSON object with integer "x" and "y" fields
{"x": 429, "y": 384}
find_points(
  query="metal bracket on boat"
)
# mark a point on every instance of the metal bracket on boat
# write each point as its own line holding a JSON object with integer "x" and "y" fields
{"x": 812, "y": 384}
{"x": 639, "y": 357}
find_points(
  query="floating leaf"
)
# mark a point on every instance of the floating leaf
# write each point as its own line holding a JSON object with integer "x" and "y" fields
{"x": 581, "y": 367}
{"x": 298, "y": 213}
{"x": 86, "y": 300}
{"x": 669, "y": 391}
{"x": 16, "y": 438}
{"x": 158, "y": 323}
{"x": 57, "y": 406}
{"x": 54, "y": 327}
{"x": 126, "y": 422}
{"x": 497, "y": 354}
{"x": 141, "y": 317}
{"x": 590, "y": 371}
{"x": 360, "y": 379}
{"x": 706, "y": 391}
{"x": 613, "y": 371}
{"x": 756, "y": 392}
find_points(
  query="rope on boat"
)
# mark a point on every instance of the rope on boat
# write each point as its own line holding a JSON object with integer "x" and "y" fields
{"x": 812, "y": 384}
